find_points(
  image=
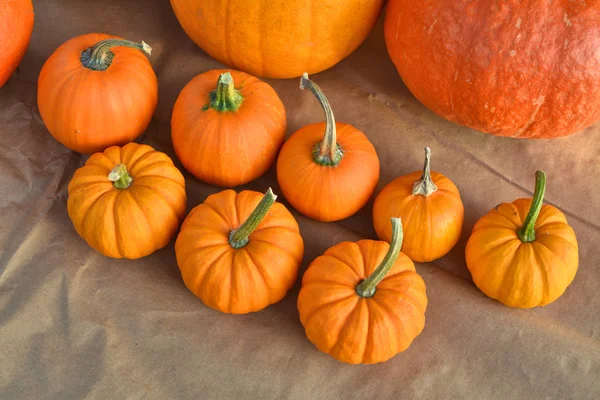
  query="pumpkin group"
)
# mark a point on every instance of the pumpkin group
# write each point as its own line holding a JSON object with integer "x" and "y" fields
{"x": 16, "y": 26}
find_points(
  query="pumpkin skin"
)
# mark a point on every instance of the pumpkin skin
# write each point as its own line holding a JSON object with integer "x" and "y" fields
{"x": 228, "y": 147}
{"x": 245, "y": 279}
{"x": 135, "y": 221}
{"x": 278, "y": 38}
{"x": 16, "y": 20}
{"x": 89, "y": 110}
{"x": 532, "y": 70}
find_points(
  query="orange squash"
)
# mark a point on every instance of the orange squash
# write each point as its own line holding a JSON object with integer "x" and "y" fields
{"x": 328, "y": 170}
{"x": 127, "y": 202}
{"x": 16, "y": 26}
{"x": 97, "y": 91}
{"x": 523, "y": 254}
{"x": 227, "y": 127}
{"x": 278, "y": 38}
{"x": 362, "y": 302}
{"x": 239, "y": 253}
{"x": 430, "y": 207}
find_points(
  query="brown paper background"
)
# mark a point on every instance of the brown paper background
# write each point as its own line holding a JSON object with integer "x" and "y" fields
{"x": 77, "y": 325}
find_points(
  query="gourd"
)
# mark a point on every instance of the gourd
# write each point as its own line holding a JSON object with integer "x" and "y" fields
{"x": 16, "y": 26}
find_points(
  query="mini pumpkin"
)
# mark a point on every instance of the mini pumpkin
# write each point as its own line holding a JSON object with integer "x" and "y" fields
{"x": 97, "y": 91}
{"x": 328, "y": 170}
{"x": 127, "y": 202}
{"x": 227, "y": 127}
{"x": 523, "y": 254}
{"x": 16, "y": 26}
{"x": 362, "y": 302}
{"x": 430, "y": 207}
{"x": 239, "y": 252}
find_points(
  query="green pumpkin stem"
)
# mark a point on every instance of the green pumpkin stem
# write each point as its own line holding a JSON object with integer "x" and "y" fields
{"x": 367, "y": 287}
{"x": 238, "y": 238}
{"x": 527, "y": 231}
{"x": 99, "y": 57}
{"x": 328, "y": 152}
{"x": 120, "y": 177}
{"x": 425, "y": 185}
{"x": 225, "y": 98}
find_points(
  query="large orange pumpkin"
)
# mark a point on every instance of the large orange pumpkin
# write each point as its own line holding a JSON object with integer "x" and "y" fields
{"x": 524, "y": 69}
{"x": 239, "y": 253}
{"x": 127, "y": 202}
{"x": 430, "y": 206}
{"x": 278, "y": 38}
{"x": 362, "y": 302}
{"x": 227, "y": 127}
{"x": 97, "y": 91}
{"x": 523, "y": 254}
{"x": 327, "y": 170}
{"x": 16, "y": 26}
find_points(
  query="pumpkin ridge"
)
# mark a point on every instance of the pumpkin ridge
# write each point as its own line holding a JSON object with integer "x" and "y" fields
{"x": 199, "y": 282}
{"x": 541, "y": 238}
{"x": 544, "y": 273}
{"x": 138, "y": 177}
{"x": 134, "y": 165}
{"x": 197, "y": 250}
{"x": 158, "y": 195}
{"x": 320, "y": 308}
{"x": 368, "y": 339}
{"x": 401, "y": 295}
{"x": 132, "y": 157}
{"x": 332, "y": 255}
{"x": 258, "y": 268}
{"x": 339, "y": 342}
{"x": 151, "y": 238}
{"x": 115, "y": 218}
{"x": 92, "y": 205}
{"x": 275, "y": 246}
{"x": 226, "y": 220}
{"x": 390, "y": 313}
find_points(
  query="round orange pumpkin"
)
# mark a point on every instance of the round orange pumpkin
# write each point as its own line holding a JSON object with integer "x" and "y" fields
{"x": 362, "y": 302}
{"x": 127, "y": 202}
{"x": 227, "y": 127}
{"x": 96, "y": 91}
{"x": 16, "y": 26}
{"x": 523, "y": 254}
{"x": 328, "y": 170}
{"x": 239, "y": 253}
{"x": 430, "y": 207}
{"x": 278, "y": 39}
{"x": 520, "y": 69}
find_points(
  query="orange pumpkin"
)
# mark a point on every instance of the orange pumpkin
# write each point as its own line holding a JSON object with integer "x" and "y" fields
{"x": 16, "y": 26}
{"x": 96, "y": 91}
{"x": 278, "y": 38}
{"x": 227, "y": 134}
{"x": 328, "y": 170}
{"x": 362, "y": 302}
{"x": 127, "y": 202}
{"x": 430, "y": 207}
{"x": 523, "y": 254}
{"x": 239, "y": 253}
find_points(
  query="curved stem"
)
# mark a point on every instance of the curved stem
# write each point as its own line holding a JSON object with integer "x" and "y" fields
{"x": 238, "y": 238}
{"x": 367, "y": 287}
{"x": 120, "y": 177}
{"x": 425, "y": 185}
{"x": 99, "y": 57}
{"x": 225, "y": 97}
{"x": 327, "y": 152}
{"x": 527, "y": 231}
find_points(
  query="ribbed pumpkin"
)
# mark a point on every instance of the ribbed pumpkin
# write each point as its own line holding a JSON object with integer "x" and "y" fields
{"x": 328, "y": 170}
{"x": 127, "y": 202}
{"x": 523, "y": 254}
{"x": 362, "y": 302}
{"x": 524, "y": 69}
{"x": 430, "y": 206}
{"x": 16, "y": 25}
{"x": 239, "y": 252}
{"x": 96, "y": 91}
{"x": 278, "y": 38}
{"x": 227, "y": 127}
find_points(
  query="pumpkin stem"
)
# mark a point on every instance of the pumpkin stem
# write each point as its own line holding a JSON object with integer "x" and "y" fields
{"x": 225, "y": 98}
{"x": 327, "y": 152}
{"x": 527, "y": 231}
{"x": 238, "y": 238}
{"x": 367, "y": 287}
{"x": 425, "y": 185}
{"x": 120, "y": 177}
{"x": 99, "y": 57}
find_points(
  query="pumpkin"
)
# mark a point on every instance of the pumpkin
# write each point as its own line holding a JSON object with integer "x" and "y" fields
{"x": 520, "y": 69}
{"x": 278, "y": 39}
{"x": 16, "y": 22}
{"x": 96, "y": 91}
{"x": 362, "y": 302}
{"x": 523, "y": 254}
{"x": 327, "y": 170}
{"x": 127, "y": 202}
{"x": 227, "y": 127}
{"x": 239, "y": 252}
{"x": 430, "y": 206}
